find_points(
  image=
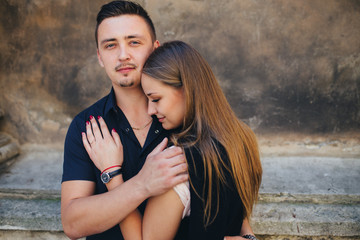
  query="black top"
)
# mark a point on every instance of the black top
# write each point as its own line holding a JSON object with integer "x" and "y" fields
{"x": 229, "y": 219}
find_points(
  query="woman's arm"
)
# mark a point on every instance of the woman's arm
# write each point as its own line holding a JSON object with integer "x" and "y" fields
{"x": 161, "y": 219}
{"x": 162, "y": 216}
{"x": 163, "y": 213}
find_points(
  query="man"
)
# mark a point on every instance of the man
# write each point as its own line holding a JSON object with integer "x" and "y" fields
{"x": 125, "y": 37}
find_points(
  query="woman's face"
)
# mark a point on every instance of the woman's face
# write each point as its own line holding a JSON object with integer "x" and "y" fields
{"x": 166, "y": 102}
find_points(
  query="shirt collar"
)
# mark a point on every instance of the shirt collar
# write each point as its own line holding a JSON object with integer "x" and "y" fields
{"x": 111, "y": 103}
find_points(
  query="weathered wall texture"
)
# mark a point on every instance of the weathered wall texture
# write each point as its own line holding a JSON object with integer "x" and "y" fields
{"x": 284, "y": 65}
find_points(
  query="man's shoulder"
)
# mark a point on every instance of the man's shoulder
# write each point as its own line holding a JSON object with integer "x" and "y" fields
{"x": 97, "y": 108}
{"x": 77, "y": 124}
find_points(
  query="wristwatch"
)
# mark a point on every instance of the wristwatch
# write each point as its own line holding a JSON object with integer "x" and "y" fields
{"x": 107, "y": 176}
{"x": 248, "y": 236}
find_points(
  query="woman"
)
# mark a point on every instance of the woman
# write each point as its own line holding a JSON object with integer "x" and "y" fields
{"x": 223, "y": 159}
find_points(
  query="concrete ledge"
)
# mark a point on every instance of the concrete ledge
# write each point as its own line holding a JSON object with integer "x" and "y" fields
{"x": 34, "y": 215}
{"x": 287, "y": 237}
{"x": 308, "y": 198}
{"x": 306, "y": 219}
{"x": 30, "y": 194}
{"x": 31, "y": 235}
{"x": 301, "y": 198}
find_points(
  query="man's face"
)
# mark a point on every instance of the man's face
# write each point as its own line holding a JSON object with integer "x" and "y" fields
{"x": 124, "y": 45}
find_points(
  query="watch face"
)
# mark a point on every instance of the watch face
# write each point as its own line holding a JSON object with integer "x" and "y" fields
{"x": 105, "y": 178}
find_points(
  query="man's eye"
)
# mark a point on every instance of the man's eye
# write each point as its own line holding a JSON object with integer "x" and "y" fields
{"x": 110, "y": 46}
{"x": 134, "y": 43}
{"x": 155, "y": 100}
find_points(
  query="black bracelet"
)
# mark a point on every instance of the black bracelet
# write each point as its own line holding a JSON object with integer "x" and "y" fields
{"x": 248, "y": 236}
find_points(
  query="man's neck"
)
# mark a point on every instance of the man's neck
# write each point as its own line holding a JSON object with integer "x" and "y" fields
{"x": 133, "y": 102}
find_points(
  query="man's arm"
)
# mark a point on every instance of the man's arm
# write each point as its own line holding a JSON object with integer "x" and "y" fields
{"x": 85, "y": 214}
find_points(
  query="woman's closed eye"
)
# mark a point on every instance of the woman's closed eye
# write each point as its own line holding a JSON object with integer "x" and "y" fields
{"x": 155, "y": 100}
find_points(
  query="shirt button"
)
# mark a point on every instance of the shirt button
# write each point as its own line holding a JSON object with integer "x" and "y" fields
{"x": 127, "y": 129}
{"x": 156, "y": 131}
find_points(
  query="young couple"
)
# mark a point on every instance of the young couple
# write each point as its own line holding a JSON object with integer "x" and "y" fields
{"x": 202, "y": 187}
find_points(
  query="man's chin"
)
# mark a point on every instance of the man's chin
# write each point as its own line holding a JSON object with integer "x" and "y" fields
{"x": 126, "y": 84}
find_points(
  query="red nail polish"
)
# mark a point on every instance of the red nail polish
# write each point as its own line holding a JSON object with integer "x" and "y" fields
{"x": 114, "y": 129}
{"x": 87, "y": 122}
{"x": 91, "y": 117}
{"x": 98, "y": 117}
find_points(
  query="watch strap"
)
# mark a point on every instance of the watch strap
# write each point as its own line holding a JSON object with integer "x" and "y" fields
{"x": 110, "y": 175}
{"x": 115, "y": 173}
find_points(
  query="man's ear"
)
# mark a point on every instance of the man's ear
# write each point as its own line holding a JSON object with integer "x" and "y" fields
{"x": 156, "y": 44}
{"x": 99, "y": 58}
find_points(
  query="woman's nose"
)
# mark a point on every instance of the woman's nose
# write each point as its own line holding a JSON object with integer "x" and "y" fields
{"x": 151, "y": 108}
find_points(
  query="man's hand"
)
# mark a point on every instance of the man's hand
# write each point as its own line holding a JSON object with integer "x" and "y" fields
{"x": 163, "y": 169}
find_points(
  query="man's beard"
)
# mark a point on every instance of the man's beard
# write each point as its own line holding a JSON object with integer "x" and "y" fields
{"x": 126, "y": 83}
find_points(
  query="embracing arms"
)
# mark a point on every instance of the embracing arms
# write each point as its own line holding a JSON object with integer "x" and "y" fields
{"x": 84, "y": 213}
{"x": 163, "y": 212}
{"x": 158, "y": 223}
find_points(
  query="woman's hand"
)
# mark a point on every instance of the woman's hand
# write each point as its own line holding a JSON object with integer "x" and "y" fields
{"x": 104, "y": 149}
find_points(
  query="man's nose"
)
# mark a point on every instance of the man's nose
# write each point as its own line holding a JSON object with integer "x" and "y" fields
{"x": 124, "y": 53}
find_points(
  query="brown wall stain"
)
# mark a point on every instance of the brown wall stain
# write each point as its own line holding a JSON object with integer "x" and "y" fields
{"x": 289, "y": 66}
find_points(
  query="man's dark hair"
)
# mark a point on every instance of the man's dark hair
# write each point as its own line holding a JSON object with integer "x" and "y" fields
{"x": 118, "y": 8}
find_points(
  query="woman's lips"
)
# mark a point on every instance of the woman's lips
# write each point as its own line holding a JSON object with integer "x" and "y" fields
{"x": 161, "y": 119}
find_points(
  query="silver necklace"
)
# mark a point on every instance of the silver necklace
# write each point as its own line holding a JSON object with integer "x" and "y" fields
{"x": 141, "y": 128}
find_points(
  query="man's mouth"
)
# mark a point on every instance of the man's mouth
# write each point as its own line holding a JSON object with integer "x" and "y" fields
{"x": 125, "y": 68}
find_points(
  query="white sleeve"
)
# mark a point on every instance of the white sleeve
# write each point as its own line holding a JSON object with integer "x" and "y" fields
{"x": 183, "y": 190}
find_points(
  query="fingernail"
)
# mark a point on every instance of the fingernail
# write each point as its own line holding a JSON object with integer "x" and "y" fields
{"x": 98, "y": 117}
{"x": 91, "y": 117}
{"x": 82, "y": 133}
{"x": 114, "y": 129}
{"x": 87, "y": 122}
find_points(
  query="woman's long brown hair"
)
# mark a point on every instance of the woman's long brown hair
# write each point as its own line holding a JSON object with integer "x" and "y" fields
{"x": 209, "y": 116}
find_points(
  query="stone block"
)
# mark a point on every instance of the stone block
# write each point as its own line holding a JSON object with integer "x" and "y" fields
{"x": 8, "y": 148}
{"x": 4, "y": 139}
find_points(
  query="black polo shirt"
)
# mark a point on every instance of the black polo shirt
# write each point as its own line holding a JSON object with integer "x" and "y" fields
{"x": 78, "y": 165}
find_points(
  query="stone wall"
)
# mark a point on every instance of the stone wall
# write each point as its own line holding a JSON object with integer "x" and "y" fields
{"x": 285, "y": 66}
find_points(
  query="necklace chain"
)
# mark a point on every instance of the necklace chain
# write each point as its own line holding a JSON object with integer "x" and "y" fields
{"x": 141, "y": 128}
